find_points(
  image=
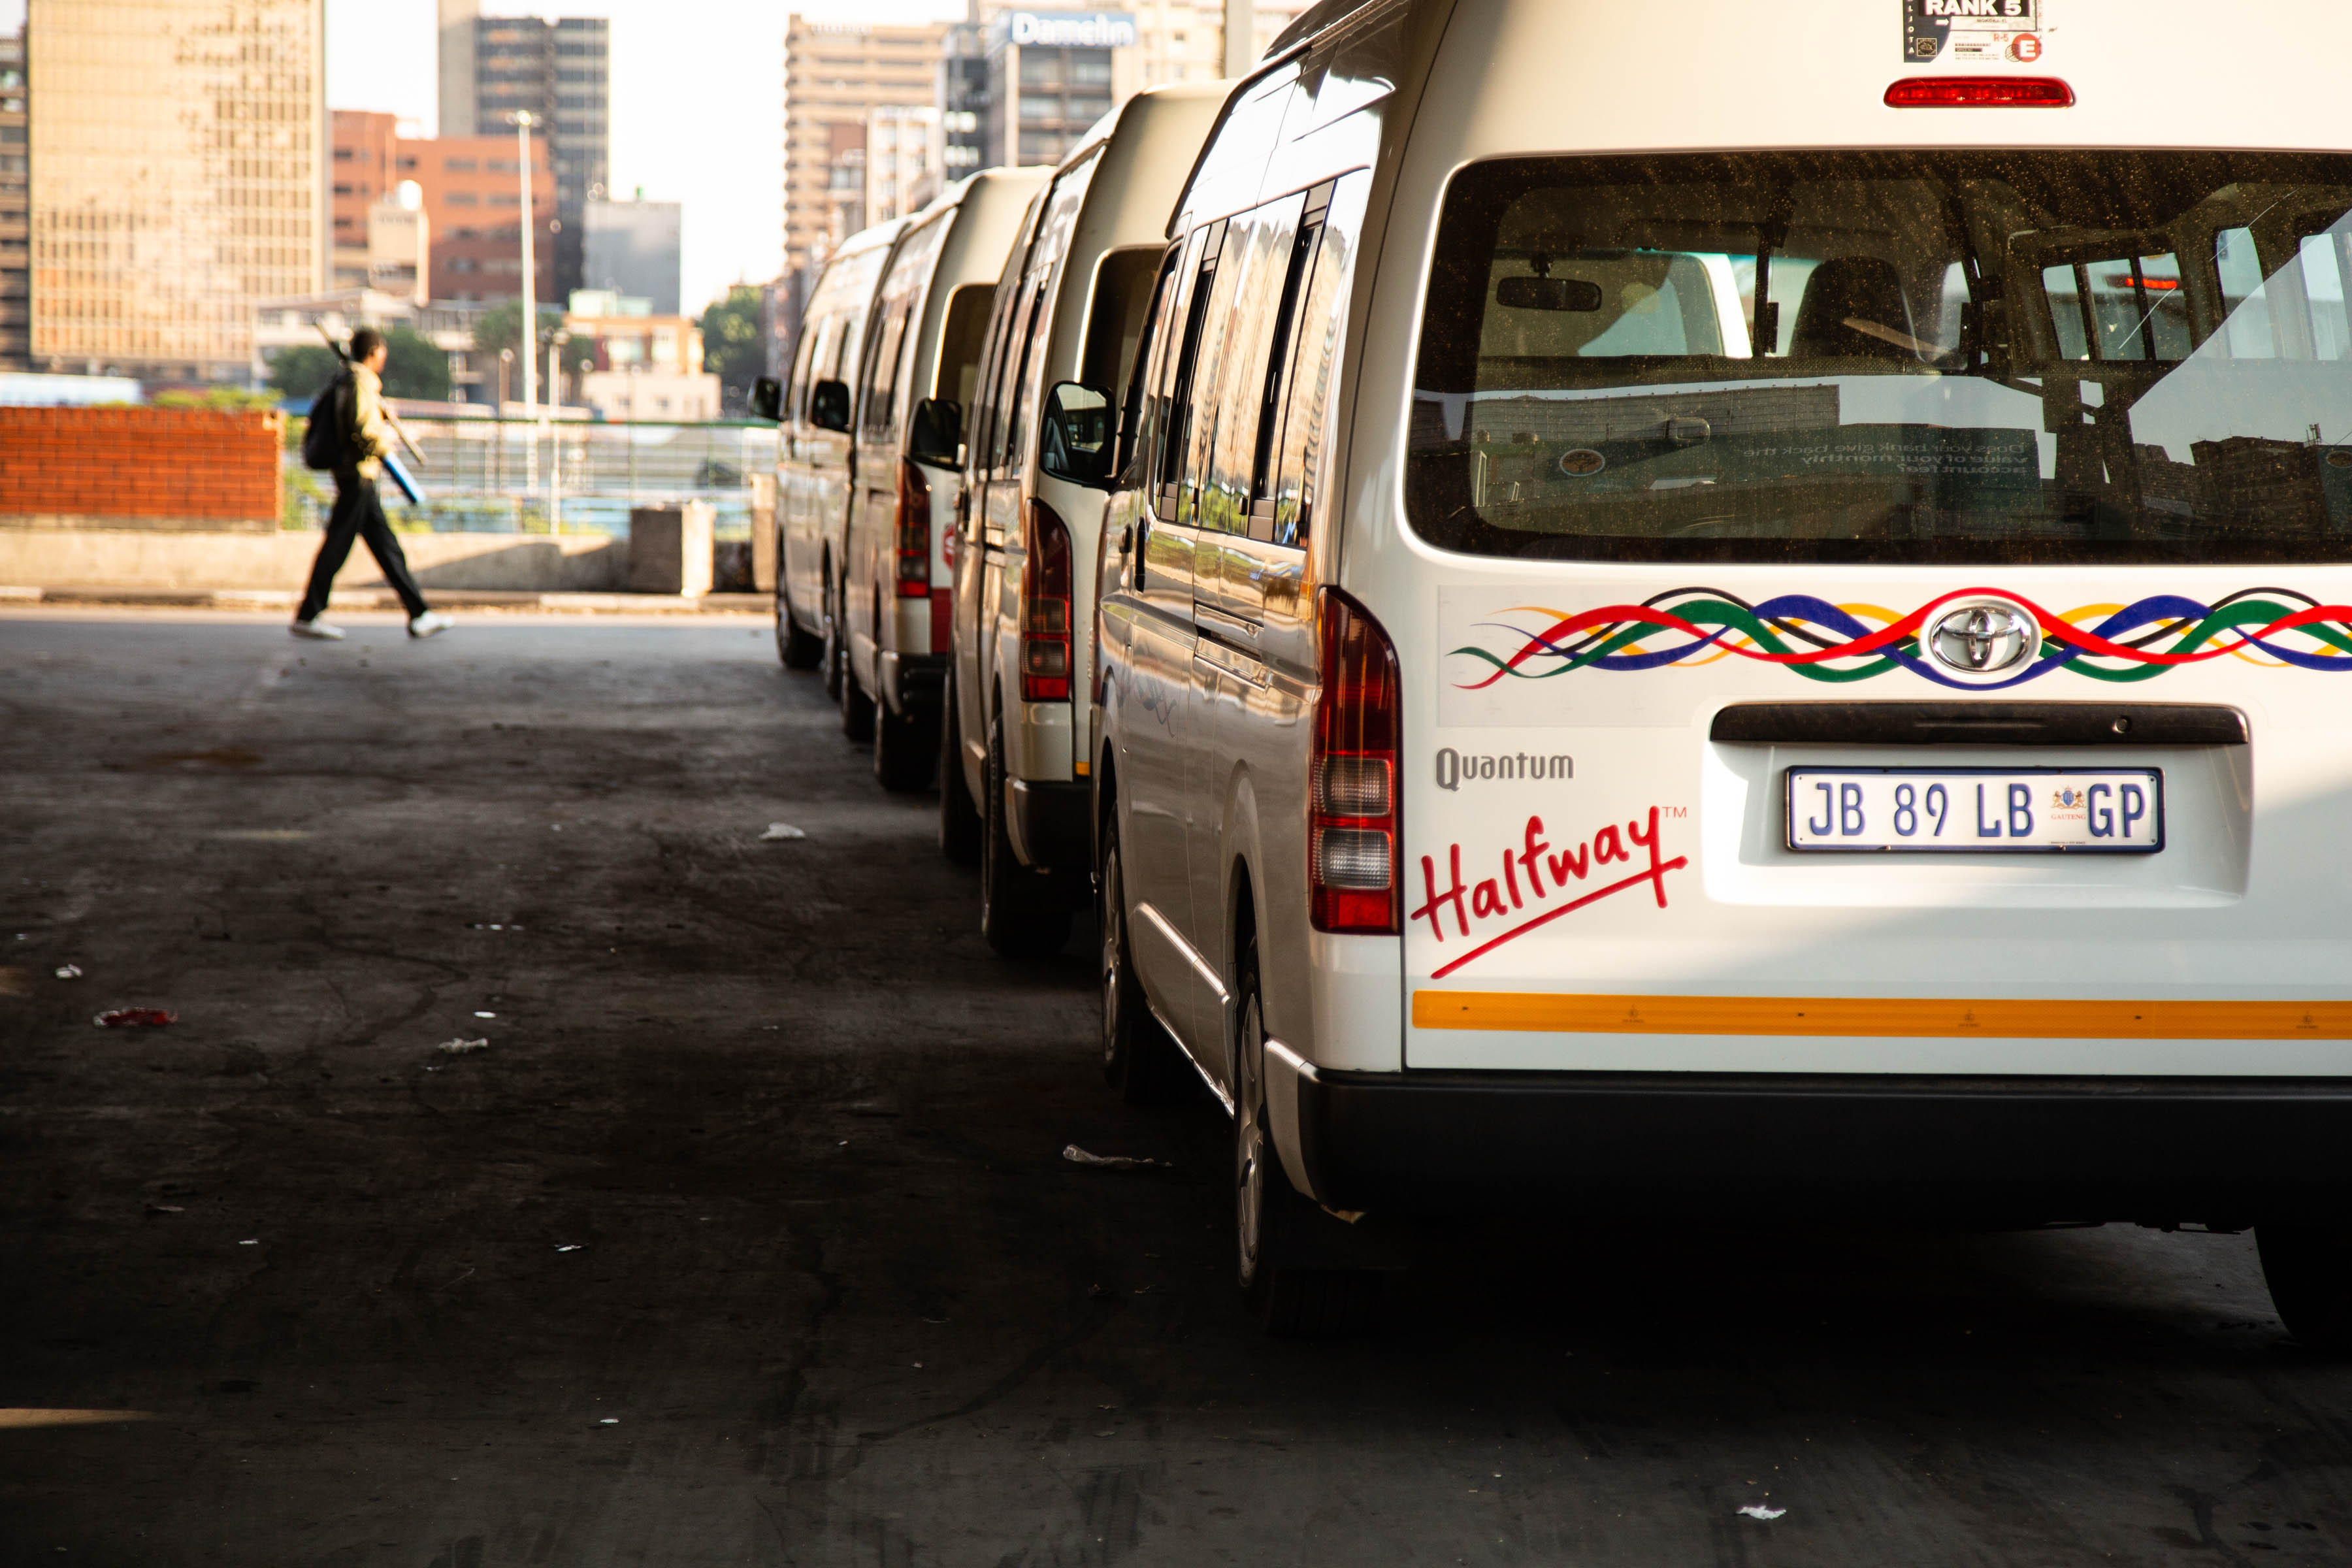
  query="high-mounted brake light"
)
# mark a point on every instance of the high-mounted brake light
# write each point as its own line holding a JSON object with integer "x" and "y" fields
{"x": 1045, "y": 607}
{"x": 1981, "y": 92}
{"x": 1355, "y": 821}
{"x": 914, "y": 531}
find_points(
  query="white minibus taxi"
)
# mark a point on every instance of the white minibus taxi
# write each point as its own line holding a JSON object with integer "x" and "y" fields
{"x": 1765, "y": 636}
{"x": 1014, "y": 793}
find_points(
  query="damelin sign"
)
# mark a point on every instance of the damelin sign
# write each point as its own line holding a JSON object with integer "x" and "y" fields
{"x": 1070, "y": 29}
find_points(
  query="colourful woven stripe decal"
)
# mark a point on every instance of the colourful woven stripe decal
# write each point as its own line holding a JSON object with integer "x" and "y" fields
{"x": 1841, "y": 643}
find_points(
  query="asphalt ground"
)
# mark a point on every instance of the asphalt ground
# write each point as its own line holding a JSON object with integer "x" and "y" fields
{"x": 748, "y": 1238}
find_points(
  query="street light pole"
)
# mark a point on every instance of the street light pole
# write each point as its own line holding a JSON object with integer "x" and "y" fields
{"x": 554, "y": 432}
{"x": 527, "y": 340}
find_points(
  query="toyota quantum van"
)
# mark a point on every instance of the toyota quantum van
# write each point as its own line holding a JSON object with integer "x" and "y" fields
{"x": 917, "y": 374}
{"x": 1771, "y": 636}
{"x": 1014, "y": 793}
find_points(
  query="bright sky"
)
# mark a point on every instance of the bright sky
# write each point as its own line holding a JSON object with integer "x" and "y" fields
{"x": 697, "y": 104}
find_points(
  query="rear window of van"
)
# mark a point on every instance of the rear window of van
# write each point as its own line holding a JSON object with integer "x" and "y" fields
{"x": 1890, "y": 356}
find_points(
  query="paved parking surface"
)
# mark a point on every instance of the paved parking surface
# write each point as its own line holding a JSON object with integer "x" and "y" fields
{"x": 748, "y": 1238}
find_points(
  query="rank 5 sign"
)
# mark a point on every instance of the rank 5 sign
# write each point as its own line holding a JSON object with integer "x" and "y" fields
{"x": 1976, "y": 810}
{"x": 1972, "y": 32}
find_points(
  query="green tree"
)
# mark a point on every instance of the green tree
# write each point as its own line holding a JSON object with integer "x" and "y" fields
{"x": 500, "y": 327}
{"x": 733, "y": 348}
{"x": 303, "y": 371}
{"x": 414, "y": 365}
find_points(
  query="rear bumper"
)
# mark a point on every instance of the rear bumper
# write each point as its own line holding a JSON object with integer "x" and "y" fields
{"x": 2222, "y": 1152}
{"x": 912, "y": 682}
{"x": 1051, "y": 825}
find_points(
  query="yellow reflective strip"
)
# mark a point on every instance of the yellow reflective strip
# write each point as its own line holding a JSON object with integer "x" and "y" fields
{"x": 1898, "y": 1017}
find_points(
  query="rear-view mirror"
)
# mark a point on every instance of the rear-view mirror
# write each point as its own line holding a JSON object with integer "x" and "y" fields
{"x": 829, "y": 405}
{"x": 1075, "y": 436}
{"x": 935, "y": 431}
{"x": 767, "y": 399}
{"x": 1549, "y": 293}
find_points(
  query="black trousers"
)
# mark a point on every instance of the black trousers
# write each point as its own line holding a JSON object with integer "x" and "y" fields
{"x": 358, "y": 510}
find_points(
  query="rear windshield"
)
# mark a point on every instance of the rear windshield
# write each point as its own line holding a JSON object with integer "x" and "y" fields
{"x": 1919, "y": 356}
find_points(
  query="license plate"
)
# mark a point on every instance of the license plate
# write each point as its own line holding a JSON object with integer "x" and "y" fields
{"x": 2008, "y": 811}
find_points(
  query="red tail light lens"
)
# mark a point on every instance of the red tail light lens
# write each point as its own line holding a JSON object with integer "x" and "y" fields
{"x": 1355, "y": 822}
{"x": 1045, "y": 607}
{"x": 1981, "y": 92}
{"x": 914, "y": 531}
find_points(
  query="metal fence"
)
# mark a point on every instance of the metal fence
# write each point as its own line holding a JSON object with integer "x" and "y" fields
{"x": 510, "y": 475}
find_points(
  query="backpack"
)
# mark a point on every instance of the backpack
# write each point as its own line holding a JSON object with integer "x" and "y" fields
{"x": 327, "y": 441}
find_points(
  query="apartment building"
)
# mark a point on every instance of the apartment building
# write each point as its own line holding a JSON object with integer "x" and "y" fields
{"x": 16, "y": 216}
{"x": 835, "y": 74}
{"x": 177, "y": 176}
{"x": 472, "y": 190}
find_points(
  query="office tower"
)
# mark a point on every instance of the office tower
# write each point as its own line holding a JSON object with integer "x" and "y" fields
{"x": 362, "y": 167}
{"x": 632, "y": 250}
{"x": 178, "y": 176}
{"x": 903, "y": 157}
{"x": 559, "y": 72}
{"x": 834, "y": 73}
{"x": 472, "y": 189}
{"x": 1052, "y": 74}
{"x": 15, "y": 223}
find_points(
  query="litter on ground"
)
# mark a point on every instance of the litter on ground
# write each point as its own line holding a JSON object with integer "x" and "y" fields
{"x": 70, "y": 971}
{"x": 134, "y": 1018}
{"x": 569, "y": 1247}
{"x": 1758, "y": 1511}
{"x": 781, "y": 830}
{"x": 1078, "y": 1156}
{"x": 459, "y": 1047}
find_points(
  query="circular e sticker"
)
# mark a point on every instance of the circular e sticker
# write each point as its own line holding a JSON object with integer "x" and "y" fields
{"x": 2025, "y": 47}
{"x": 1578, "y": 461}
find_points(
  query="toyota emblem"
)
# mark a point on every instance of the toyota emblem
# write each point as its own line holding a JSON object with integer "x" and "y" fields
{"x": 1983, "y": 638}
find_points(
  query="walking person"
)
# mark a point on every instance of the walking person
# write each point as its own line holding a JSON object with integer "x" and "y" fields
{"x": 356, "y": 401}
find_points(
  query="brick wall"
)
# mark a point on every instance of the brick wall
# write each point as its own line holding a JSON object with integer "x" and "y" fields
{"x": 139, "y": 466}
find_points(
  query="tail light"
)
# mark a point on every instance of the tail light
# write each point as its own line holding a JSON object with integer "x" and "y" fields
{"x": 1355, "y": 823}
{"x": 1045, "y": 607}
{"x": 914, "y": 531}
{"x": 1979, "y": 92}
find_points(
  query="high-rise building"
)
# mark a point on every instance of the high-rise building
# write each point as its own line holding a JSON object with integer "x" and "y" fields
{"x": 632, "y": 249}
{"x": 15, "y": 218}
{"x": 835, "y": 74}
{"x": 903, "y": 157}
{"x": 1052, "y": 74}
{"x": 362, "y": 167}
{"x": 493, "y": 67}
{"x": 178, "y": 176}
{"x": 472, "y": 189}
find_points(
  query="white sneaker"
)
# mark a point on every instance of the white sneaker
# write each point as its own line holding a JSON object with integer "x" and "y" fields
{"x": 318, "y": 631}
{"x": 430, "y": 622}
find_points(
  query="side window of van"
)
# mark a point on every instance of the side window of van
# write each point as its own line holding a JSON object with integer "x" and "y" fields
{"x": 1299, "y": 377}
{"x": 1261, "y": 252}
{"x": 1205, "y": 381}
{"x": 1003, "y": 372}
{"x": 1123, "y": 285}
{"x": 1135, "y": 407}
{"x": 880, "y": 391}
{"x": 815, "y": 346}
{"x": 1026, "y": 350}
{"x": 1175, "y": 394}
{"x": 962, "y": 335}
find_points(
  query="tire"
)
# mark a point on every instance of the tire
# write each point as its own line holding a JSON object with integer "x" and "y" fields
{"x": 2309, "y": 1270}
{"x": 1139, "y": 1060}
{"x": 1288, "y": 1301}
{"x": 905, "y": 750}
{"x": 958, "y": 815}
{"x": 796, "y": 647}
{"x": 1023, "y": 913}
{"x": 830, "y": 660}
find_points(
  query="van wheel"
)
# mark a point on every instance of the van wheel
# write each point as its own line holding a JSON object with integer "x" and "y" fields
{"x": 959, "y": 817}
{"x": 1288, "y": 1302}
{"x": 796, "y": 647}
{"x": 1023, "y": 913}
{"x": 830, "y": 659}
{"x": 1140, "y": 1060}
{"x": 2309, "y": 1270}
{"x": 905, "y": 749}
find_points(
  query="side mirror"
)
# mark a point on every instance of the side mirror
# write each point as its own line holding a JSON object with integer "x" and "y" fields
{"x": 935, "y": 431}
{"x": 829, "y": 405}
{"x": 767, "y": 399}
{"x": 1073, "y": 439}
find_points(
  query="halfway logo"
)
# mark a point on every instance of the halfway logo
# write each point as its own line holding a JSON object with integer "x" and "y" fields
{"x": 1472, "y": 905}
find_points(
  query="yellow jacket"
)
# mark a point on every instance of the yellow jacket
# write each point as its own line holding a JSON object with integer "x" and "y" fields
{"x": 370, "y": 436}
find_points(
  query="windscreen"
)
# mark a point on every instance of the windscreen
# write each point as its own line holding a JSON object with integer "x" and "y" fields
{"x": 1899, "y": 357}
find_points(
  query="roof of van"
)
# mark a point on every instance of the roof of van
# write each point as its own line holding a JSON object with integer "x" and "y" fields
{"x": 1309, "y": 23}
{"x": 867, "y": 238}
{"x": 1139, "y": 105}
